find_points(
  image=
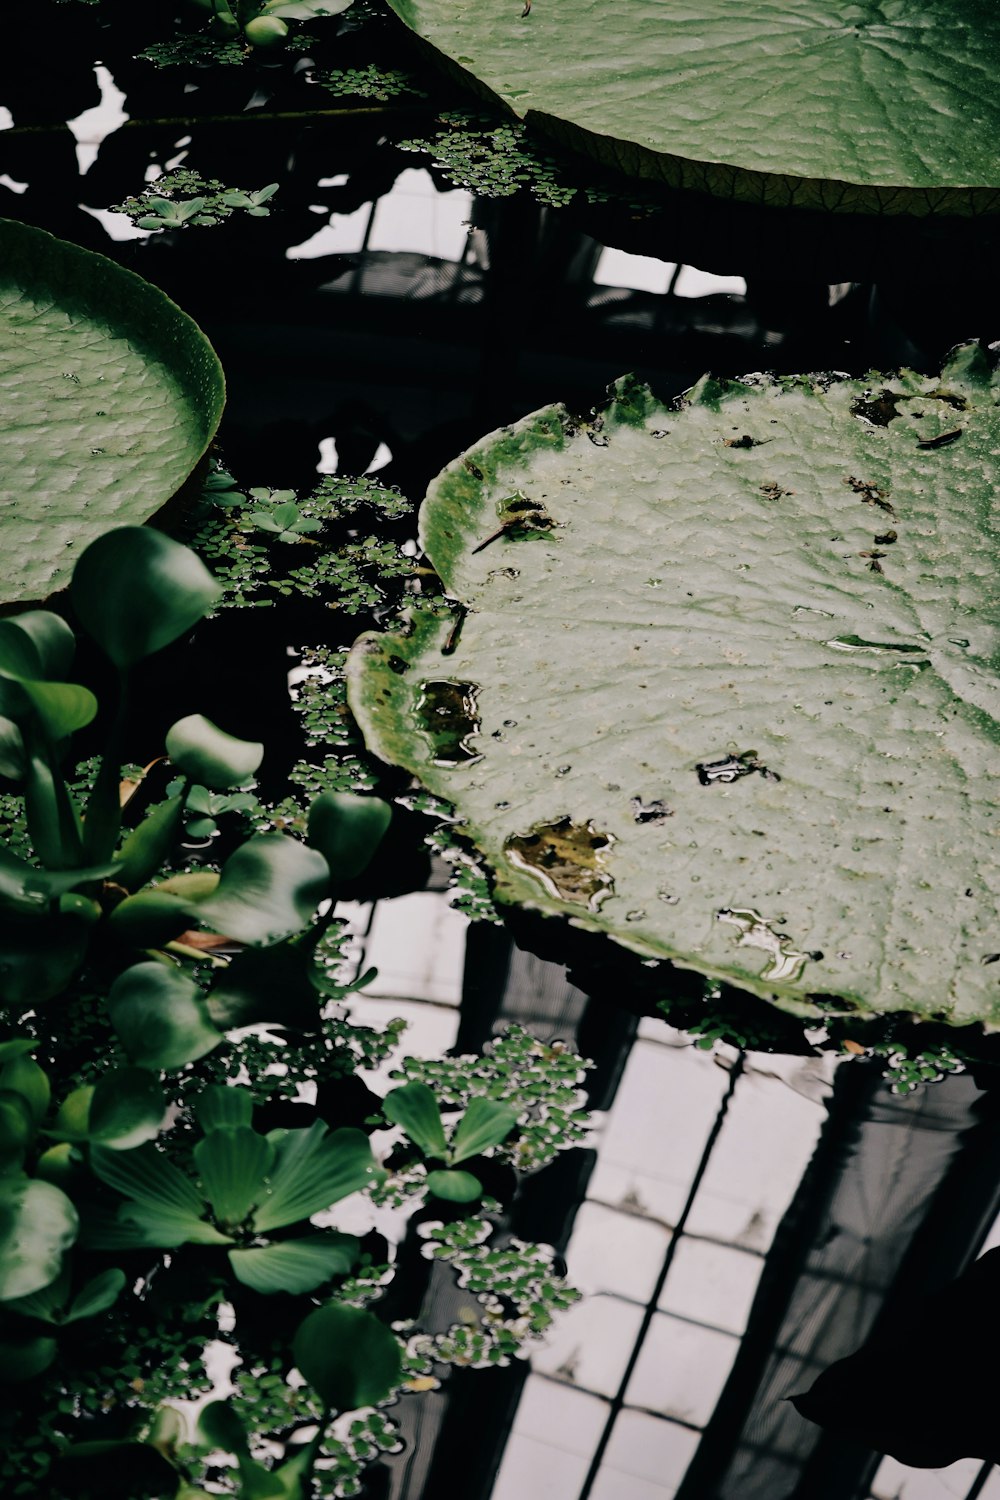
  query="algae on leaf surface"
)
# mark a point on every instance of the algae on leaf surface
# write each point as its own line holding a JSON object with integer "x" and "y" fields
{"x": 110, "y": 397}
{"x": 736, "y": 705}
{"x": 830, "y": 104}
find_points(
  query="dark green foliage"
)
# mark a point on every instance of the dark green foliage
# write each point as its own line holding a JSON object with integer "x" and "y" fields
{"x": 320, "y": 555}
{"x": 184, "y": 197}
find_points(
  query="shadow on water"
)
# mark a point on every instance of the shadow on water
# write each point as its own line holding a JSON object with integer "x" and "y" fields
{"x": 742, "y": 1219}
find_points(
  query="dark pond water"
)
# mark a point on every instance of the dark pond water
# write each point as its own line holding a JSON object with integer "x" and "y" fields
{"x": 736, "y": 1221}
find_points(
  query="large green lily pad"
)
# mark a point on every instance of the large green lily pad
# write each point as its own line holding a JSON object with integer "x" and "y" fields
{"x": 110, "y": 396}
{"x": 726, "y": 686}
{"x": 848, "y": 105}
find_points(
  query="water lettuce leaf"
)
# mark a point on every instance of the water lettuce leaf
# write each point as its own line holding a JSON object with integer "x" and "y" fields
{"x": 817, "y": 103}
{"x": 725, "y": 687}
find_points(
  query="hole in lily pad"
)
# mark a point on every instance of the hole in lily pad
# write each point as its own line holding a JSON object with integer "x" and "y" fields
{"x": 567, "y": 858}
{"x": 448, "y": 715}
{"x": 784, "y": 961}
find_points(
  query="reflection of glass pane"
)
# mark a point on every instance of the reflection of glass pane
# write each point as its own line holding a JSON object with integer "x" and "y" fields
{"x": 344, "y": 235}
{"x": 415, "y": 216}
{"x": 657, "y": 1128}
{"x": 615, "y": 1252}
{"x": 694, "y": 283}
{"x": 554, "y": 1413}
{"x": 768, "y": 1137}
{"x": 896, "y": 1482}
{"x": 417, "y": 943}
{"x": 711, "y": 1284}
{"x": 681, "y": 1369}
{"x": 655, "y": 1453}
{"x": 94, "y": 125}
{"x": 536, "y": 1471}
{"x": 591, "y": 1344}
{"x": 643, "y": 273}
{"x": 555, "y": 1433}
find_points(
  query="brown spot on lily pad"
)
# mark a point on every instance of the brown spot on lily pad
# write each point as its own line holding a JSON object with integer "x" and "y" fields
{"x": 870, "y": 493}
{"x": 568, "y": 858}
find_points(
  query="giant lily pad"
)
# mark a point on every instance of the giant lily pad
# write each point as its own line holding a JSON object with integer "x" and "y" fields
{"x": 726, "y": 687}
{"x": 110, "y": 393}
{"x": 819, "y": 103}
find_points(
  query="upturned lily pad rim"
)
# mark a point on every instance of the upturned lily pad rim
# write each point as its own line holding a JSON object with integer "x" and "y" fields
{"x": 95, "y": 287}
{"x": 453, "y": 519}
{"x": 706, "y": 174}
{"x": 38, "y": 262}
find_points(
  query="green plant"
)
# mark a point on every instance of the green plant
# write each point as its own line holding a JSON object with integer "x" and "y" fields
{"x": 349, "y": 1359}
{"x": 371, "y": 82}
{"x": 247, "y": 24}
{"x": 184, "y": 197}
{"x": 485, "y": 1124}
{"x": 237, "y": 533}
{"x": 134, "y": 590}
{"x": 539, "y": 1081}
{"x": 247, "y": 1186}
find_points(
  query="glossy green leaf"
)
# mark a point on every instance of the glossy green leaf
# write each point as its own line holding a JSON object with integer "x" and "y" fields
{"x": 22, "y": 1075}
{"x": 347, "y": 830}
{"x": 223, "y": 1428}
{"x": 233, "y": 1164}
{"x": 222, "y": 1106}
{"x": 126, "y": 1109}
{"x": 143, "y": 1226}
{"x": 61, "y": 707}
{"x": 207, "y": 754}
{"x": 266, "y": 984}
{"x": 83, "y": 1469}
{"x": 38, "y": 1224}
{"x": 348, "y": 1356}
{"x": 17, "y": 1046}
{"x": 295, "y": 1266}
{"x": 485, "y": 1123}
{"x": 17, "y": 1131}
{"x": 160, "y": 914}
{"x": 35, "y": 649}
{"x": 32, "y": 889}
{"x": 23, "y": 1359}
{"x": 110, "y": 394}
{"x": 123, "y": 1110}
{"x": 13, "y": 755}
{"x": 454, "y": 1187}
{"x": 146, "y": 848}
{"x": 59, "y": 1164}
{"x": 269, "y": 889}
{"x": 135, "y": 590}
{"x": 162, "y": 1206}
{"x": 96, "y": 1296}
{"x": 313, "y": 1170}
{"x": 53, "y": 1304}
{"x": 737, "y": 707}
{"x": 414, "y": 1106}
{"x": 46, "y": 1304}
{"x": 160, "y": 1017}
{"x": 777, "y": 101}
{"x": 149, "y": 1177}
{"x": 305, "y": 10}
{"x": 52, "y": 644}
{"x": 40, "y": 957}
